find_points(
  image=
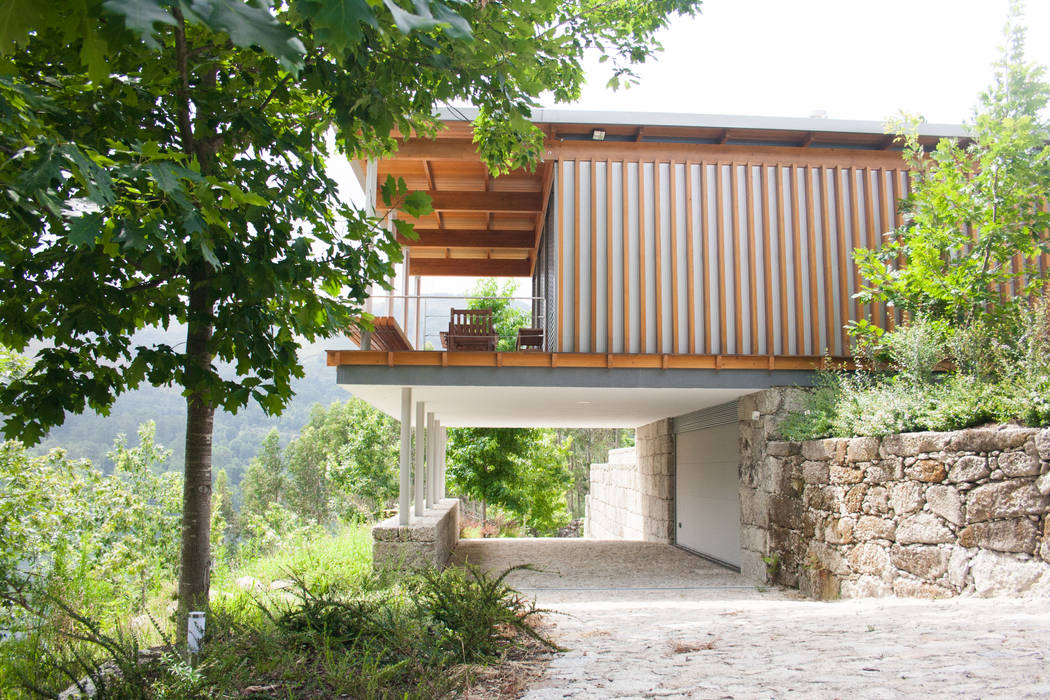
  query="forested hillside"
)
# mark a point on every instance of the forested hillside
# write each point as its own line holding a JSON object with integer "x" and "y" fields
{"x": 237, "y": 437}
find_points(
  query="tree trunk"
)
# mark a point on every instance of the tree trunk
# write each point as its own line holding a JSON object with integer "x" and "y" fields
{"x": 195, "y": 562}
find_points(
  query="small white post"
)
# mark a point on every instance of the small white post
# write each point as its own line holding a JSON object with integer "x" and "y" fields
{"x": 195, "y": 632}
{"x": 431, "y": 460}
{"x": 442, "y": 445}
{"x": 420, "y": 480}
{"x": 406, "y": 448}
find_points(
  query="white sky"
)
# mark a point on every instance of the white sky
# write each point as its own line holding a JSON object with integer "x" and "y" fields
{"x": 853, "y": 59}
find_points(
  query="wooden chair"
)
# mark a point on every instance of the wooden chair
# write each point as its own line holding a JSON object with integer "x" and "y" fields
{"x": 530, "y": 340}
{"x": 471, "y": 329}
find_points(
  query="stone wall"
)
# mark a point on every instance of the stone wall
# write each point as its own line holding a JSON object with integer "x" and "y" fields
{"x": 631, "y": 496}
{"x": 427, "y": 541}
{"x": 762, "y": 488}
{"x": 919, "y": 515}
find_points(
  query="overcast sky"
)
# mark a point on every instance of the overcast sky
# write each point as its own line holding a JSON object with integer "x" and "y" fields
{"x": 853, "y": 59}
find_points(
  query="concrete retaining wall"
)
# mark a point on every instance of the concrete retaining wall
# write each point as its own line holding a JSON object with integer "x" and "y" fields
{"x": 427, "y": 541}
{"x": 631, "y": 496}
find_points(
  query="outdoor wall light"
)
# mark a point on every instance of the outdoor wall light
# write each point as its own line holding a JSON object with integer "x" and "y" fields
{"x": 598, "y": 134}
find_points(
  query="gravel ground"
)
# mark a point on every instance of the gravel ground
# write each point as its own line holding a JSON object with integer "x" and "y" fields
{"x": 646, "y": 620}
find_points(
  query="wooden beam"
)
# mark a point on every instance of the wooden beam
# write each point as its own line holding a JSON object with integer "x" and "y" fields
{"x": 468, "y": 238}
{"x": 437, "y": 149}
{"x": 519, "y": 202}
{"x": 547, "y": 173}
{"x": 459, "y": 267}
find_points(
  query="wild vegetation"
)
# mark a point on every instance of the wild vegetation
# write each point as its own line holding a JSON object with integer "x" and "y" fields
{"x": 165, "y": 164}
{"x": 974, "y": 346}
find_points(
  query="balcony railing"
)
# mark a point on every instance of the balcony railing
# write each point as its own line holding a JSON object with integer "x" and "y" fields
{"x": 424, "y": 320}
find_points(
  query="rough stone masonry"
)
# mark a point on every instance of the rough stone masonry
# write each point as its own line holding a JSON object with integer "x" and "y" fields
{"x": 927, "y": 515}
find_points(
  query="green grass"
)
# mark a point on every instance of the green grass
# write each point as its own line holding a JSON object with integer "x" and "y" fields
{"x": 342, "y": 558}
{"x": 337, "y": 630}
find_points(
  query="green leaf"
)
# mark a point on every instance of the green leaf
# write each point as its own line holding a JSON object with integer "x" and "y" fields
{"x": 140, "y": 16}
{"x": 84, "y": 229}
{"x": 406, "y": 230}
{"x": 93, "y": 55}
{"x": 252, "y": 26}
{"x": 417, "y": 204}
{"x": 338, "y": 22}
{"x": 17, "y": 18}
{"x": 409, "y": 22}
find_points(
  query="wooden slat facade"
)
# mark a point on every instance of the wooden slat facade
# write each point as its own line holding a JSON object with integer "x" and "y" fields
{"x": 765, "y": 249}
{"x": 727, "y": 248}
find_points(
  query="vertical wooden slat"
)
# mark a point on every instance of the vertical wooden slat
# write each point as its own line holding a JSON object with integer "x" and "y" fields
{"x": 797, "y": 199}
{"x": 889, "y": 208}
{"x": 738, "y": 292}
{"x": 705, "y": 257}
{"x": 826, "y": 216}
{"x": 658, "y": 257}
{"x": 674, "y": 258}
{"x": 871, "y": 237}
{"x": 561, "y": 261}
{"x": 845, "y": 261}
{"x": 811, "y": 243}
{"x": 609, "y": 258}
{"x": 785, "y": 330}
{"x": 767, "y": 256}
{"x": 625, "y": 230}
{"x": 594, "y": 256}
{"x": 690, "y": 272}
{"x": 720, "y": 261}
{"x": 752, "y": 265}
{"x": 643, "y": 327}
{"x": 576, "y": 255}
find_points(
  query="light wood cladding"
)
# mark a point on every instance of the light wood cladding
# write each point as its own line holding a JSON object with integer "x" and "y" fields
{"x": 767, "y": 251}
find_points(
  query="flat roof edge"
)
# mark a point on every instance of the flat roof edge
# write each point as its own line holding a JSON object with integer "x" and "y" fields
{"x": 719, "y": 121}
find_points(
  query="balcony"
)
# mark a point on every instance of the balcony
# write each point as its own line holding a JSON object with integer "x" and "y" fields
{"x": 455, "y": 323}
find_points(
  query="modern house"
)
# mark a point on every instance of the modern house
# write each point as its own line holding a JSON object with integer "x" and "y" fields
{"x": 678, "y": 263}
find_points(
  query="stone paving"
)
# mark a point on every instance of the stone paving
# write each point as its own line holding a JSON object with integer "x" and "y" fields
{"x": 647, "y": 620}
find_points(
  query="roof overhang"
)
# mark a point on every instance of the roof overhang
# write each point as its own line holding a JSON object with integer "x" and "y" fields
{"x": 491, "y": 226}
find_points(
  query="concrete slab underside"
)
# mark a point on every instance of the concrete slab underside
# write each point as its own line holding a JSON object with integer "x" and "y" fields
{"x": 646, "y": 620}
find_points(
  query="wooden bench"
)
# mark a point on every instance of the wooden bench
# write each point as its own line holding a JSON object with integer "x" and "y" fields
{"x": 387, "y": 335}
{"x": 471, "y": 329}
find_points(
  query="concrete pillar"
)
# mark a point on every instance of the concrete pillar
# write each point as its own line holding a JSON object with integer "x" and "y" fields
{"x": 420, "y": 480}
{"x": 431, "y": 459}
{"x": 406, "y": 447}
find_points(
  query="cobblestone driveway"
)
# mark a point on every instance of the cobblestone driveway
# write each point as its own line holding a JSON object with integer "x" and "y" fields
{"x": 651, "y": 621}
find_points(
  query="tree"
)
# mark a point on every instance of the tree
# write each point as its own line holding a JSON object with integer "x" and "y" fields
{"x": 973, "y": 208}
{"x": 164, "y": 163}
{"x": 266, "y": 480}
{"x": 520, "y": 469}
{"x": 488, "y": 294}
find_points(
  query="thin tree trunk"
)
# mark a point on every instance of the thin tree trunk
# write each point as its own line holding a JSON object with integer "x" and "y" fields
{"x": 195, "y": 562}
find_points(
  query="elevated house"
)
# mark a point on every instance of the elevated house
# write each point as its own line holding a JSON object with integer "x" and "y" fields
{"x": 678, "y": 263}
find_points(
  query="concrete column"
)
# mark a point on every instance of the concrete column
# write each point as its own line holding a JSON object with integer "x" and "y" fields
{"x": 406, "y": 447}
{"x": 420, "y": 450}
{"x": 431, "y": 460}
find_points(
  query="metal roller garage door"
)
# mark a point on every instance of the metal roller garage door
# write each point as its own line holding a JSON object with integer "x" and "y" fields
{"x": 707, "y": 501}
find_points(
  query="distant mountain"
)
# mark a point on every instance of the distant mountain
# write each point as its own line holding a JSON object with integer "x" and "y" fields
{"x": 237, "y": 437}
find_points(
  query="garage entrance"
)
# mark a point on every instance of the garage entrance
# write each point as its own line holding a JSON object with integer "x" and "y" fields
{"x": 706, "y": 494}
